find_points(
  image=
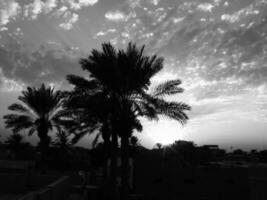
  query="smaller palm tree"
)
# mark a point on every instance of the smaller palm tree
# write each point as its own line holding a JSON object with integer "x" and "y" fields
{"x": 62, "y": 140}
{"x": 39, "y": 112}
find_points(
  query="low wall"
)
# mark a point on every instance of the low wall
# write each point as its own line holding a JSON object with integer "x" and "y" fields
{"x": 58, "y": 190}
{"x": 37, "y": 181}
{"x": 15, "y": 166}
{"x": 13, "y": 183}
{"x": 17, "y": 183}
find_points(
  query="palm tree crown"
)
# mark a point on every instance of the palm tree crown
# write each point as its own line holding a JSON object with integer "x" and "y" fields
{"x": 119, "y": 82}
{"x": 39, "y": 111}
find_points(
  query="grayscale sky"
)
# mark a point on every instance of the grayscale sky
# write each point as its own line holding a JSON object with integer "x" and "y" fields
{"x": 218, "y": 49}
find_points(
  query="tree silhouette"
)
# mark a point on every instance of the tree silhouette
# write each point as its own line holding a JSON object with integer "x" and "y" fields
{"x": 184, "y": 151}
{"x": 16, "y": 144}
{"x": 91, "y": 108}
{"x": 62, "y": 140}
{"x": 158, "y": 145}
{"x": 134, "y": 141}
{"x": 117, "y": 94}
{"x": 39, "y": 111}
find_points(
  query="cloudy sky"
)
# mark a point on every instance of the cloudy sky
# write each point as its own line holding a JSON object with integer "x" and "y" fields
{"x": 218, "y": 49}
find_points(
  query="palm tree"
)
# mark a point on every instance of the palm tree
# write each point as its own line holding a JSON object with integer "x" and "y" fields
{"x": 122, "y": 79}
{"x": 39, "y": 111}
{"x": 62, "y": 140}
{"x": 91, "y": 108}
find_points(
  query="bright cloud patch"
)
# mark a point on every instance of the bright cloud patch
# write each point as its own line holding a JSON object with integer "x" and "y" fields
{"x": 37, "y": 7}
{"x": 115, "y": 16}
{"x": 103, "y": 33}
{"x": 206, "y": 7}
{"x": 78, "y": 4}
{"x": 235, "y": 17}
{"x": 155, "y": 2}
{"x": 9, "y": 85}
{"x": 9, "y": 9}
{"x": 73, "y": 18}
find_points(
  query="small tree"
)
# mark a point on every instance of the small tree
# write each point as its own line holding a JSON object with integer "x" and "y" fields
{"x": 158, "y": 145}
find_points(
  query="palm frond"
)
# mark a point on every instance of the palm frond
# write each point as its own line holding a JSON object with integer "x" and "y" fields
{"x": 82, "y": 83}
{"x": 168, "y": 88}
{"x": 174, "y": 110}
{"x": 18, "y": 122}
{"x": 95, "y": 140}
{"x": 31, "y": 131}
{"x": 18, "y": 108}
{"x": 78, "y": 136}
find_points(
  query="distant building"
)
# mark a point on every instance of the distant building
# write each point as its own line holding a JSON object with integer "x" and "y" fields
{"x": 211, "y": 147}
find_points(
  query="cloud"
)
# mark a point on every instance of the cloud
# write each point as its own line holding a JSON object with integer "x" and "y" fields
{"x": 155, "y": 2}
{"x": 37, "y": 7}
{"x": 45, "y": 64}
{"x": 50, "y": 5}
{"x": 9, "y": 9}
{"x": 3, "y": 28}
{"x": 103, "y": 33}
{"x": 116, "y": 16}
{"x": 206, "y": 7}
{"x": 72, "y": 18}
{"x": 9, "y": 85}
{"x": 134, "y": 3}
{"x": 237, "y": 16}
{"x": 217, "y": 60}
{"x": 78, "y": 4}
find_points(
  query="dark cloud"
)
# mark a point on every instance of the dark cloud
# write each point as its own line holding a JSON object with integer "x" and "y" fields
{"x": 44, "y": 64}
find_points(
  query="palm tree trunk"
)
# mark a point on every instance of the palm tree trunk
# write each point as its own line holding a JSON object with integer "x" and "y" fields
{"x": 106, "y": 149}
{"x": 107, "y": 183}
{"x": 107, "y": 143}
{"x": 44, "y": 143}
{"x": 125, "y": 167}
{"x": 113, "y": 165}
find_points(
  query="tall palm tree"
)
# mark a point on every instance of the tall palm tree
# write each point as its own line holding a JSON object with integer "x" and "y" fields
{"x": 122, "y": 79}
{"x": 91, "y": 108}
{"x": 39, "y": 111}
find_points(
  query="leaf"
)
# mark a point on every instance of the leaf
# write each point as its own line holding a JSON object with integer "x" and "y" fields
{"x": 168, "y": 88}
